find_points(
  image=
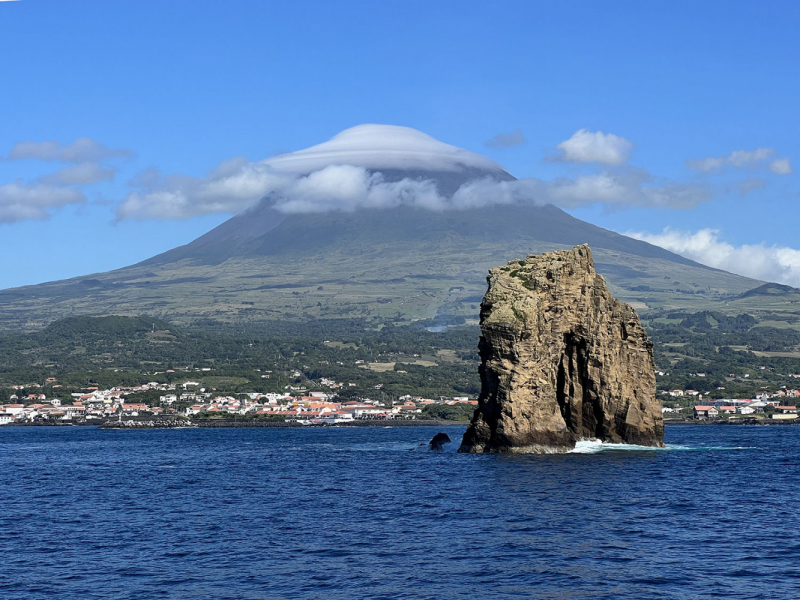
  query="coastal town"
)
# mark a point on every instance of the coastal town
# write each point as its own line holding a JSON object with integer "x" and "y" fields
{"x": 776, "y": 405}
{"x": 190, "y": 400}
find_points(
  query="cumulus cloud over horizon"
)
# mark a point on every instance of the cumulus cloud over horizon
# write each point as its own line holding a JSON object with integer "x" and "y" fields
{"x": 594, "y": 147}
{"x": 743, "y": 159}
{"x": 38, "y": 199}
{"x": 21, "y": 202}
{"x": 320, "y": 179}
{"x": 345, "y": 173}
{"x": 81, "y": 150}
{"x": 234, "y": 187}
{"x": 769, "y": 263}
{"x": 238, "y": 184}
{"x": 749, "y": 185}
{"x": 80, "y": 174}
{"x": 781, "y": 166}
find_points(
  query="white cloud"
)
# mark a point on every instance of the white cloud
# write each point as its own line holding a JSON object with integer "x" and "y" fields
{"x": 781, "y": 166}
{"x": 749, "y": 185}
{"x": 741, "y": 159}
{"x": 630, "y": 188}
{"x": 19, "y": 202}
{"x": 229, "y": 188}
{"x": 80, "y": 151}
{"x": 340, "y": 174}
{"x": 333, "y": 185}
{"x": 235, "y": 185}
{"x": 348, "y": 188}
{"x": 506, "y": 140}
{"x": 82, "y": 174}
{"x": 378, "y": 147}
{"x": 769, "y": 263}
{"x": 595, "y": 147}
{"x": 706, "y": 165}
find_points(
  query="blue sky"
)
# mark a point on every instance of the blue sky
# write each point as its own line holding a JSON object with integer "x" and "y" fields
{"x": 183, "y": 86}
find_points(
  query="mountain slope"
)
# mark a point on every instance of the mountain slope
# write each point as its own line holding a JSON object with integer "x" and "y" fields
{"x": 378, "y": 264}
{"x": 400, "y": 264}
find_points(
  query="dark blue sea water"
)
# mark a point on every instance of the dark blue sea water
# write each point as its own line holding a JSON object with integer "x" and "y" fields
{"x": 355, "y": 513}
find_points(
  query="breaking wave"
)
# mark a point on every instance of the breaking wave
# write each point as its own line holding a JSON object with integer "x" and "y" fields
{"x": 596, "y": 446}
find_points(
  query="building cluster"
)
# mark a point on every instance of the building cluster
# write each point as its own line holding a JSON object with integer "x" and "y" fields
{"x": 118, "y": 402}
{"x": 764, "y": 395}
{"x": 319, "y": 407}
{"x": 776, "y": 406}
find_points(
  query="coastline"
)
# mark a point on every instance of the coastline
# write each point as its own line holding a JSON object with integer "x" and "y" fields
{"x": 737, "y": 422}
{"x": 234, "y": 423}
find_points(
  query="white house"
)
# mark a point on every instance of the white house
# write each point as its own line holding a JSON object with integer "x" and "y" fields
{"x": 704, "y": 412}
{"x": 338, "y": 416}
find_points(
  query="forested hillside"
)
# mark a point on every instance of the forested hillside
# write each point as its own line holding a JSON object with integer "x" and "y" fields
{"x": 703, "y": 351}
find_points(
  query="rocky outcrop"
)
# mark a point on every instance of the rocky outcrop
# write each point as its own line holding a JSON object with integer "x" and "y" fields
{"x": 438, "y": 441}
{"x": 562, "y": 360}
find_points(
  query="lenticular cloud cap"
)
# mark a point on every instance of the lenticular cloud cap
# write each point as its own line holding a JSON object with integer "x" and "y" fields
{"x": 383, "y": 147}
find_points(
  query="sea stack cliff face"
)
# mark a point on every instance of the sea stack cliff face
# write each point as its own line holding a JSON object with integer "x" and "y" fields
{"x": 561, "y": 360}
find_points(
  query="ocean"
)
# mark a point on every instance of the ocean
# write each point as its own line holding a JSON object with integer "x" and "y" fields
{"x": 370, "y": 513}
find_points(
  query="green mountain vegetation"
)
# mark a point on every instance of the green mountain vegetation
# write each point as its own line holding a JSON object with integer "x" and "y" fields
{"x": 78, "y": 352}
{"x": 771, "y": 289}
{"x": 703, "y": 351}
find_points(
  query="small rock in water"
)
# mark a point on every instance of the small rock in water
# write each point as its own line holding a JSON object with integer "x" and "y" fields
{"x": 438, "y": 441}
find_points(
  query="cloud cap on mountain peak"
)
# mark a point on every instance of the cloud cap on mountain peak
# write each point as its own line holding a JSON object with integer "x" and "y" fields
{"x": 376, "y": 147}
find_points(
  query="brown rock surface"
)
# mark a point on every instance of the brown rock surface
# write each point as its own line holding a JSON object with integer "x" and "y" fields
{"x": 562, "y": 360}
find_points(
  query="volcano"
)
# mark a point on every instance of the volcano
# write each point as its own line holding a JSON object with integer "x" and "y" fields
{"x": 397, "y": 263}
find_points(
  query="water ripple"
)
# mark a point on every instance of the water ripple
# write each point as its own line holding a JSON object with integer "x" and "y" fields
{"x": 351, "y": 513}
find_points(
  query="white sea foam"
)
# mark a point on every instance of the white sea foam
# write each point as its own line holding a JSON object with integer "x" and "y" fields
{"x": 596, "y": 446}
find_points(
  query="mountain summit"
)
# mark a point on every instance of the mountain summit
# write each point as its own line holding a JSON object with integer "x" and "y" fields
{"x": 381, "y": 147}
{"x": 404, "y": 251}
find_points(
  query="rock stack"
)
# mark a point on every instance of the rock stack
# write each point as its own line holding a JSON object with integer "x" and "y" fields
{"x": 561, "y": 360}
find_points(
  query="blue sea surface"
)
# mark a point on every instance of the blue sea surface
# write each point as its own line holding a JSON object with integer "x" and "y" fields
{"x": 368, "y": 513}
